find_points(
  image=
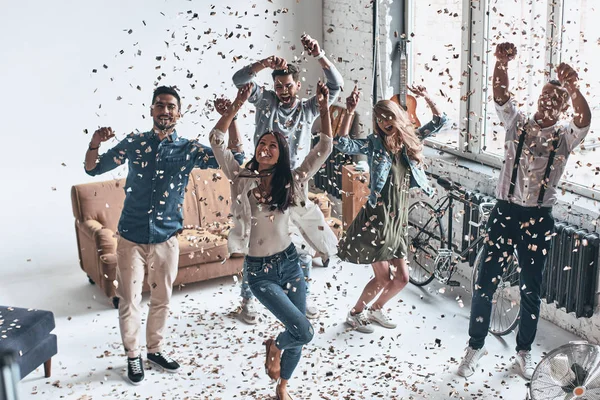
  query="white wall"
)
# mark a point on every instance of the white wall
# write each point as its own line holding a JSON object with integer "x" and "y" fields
{"x": 50, "y": 95}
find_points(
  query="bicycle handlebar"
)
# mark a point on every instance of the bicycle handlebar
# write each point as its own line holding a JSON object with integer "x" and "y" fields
{"x": 486, "y": 208}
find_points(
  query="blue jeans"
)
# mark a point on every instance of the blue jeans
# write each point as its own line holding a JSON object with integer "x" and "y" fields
{"x": 510, "y": 227}
{"x": 305, "y": 264}
{"x": 278, "y": 283}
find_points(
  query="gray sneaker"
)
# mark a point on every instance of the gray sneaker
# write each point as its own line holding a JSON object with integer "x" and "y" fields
{"x": 360, "y": 321}
{"x": 248, "y": 313}
{"x": 470, "y": 360}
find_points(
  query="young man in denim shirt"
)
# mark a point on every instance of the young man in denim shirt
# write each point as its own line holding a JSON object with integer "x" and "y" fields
{"x": 159, "y": 166}
{"x": 280, "y": 110}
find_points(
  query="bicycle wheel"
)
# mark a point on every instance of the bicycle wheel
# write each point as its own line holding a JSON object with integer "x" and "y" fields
{"x": 425, "y": 238}
{"x": 505, "y": 304}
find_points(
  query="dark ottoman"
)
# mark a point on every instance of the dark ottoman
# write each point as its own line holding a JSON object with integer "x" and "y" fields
{"x": 27, "y": 332}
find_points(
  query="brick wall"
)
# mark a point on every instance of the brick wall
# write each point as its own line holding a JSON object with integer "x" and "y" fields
{"x": 348, "y": 40}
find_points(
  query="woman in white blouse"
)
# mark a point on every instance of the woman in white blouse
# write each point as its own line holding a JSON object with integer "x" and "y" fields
{"x": 262, "y": 194}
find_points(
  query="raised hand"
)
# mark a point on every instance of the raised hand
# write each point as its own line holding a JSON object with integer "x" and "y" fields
{"x": 352, "y": 100}
{"x": 567, "y": 76}
{"x": 274, "y": 62}
{"x": 322, "y": 94}
{"x": 505, "y": 52}
{"x": 243, "y": 94}
{"x": 222, "y": 105}
{"x": 310, "y": 45}
{"x": 418, "y": 90}
{"x": 101, "y": 135}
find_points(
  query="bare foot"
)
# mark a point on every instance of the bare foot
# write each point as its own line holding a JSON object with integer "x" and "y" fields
{"x": 281, "y": 391}
{"x": 273, "y": 359}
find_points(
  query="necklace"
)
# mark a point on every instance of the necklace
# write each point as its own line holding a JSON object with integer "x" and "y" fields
{"x": 262, "y": 192}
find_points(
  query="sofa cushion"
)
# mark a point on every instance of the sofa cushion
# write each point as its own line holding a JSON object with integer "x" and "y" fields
{"x": 22, "y": 329}
{"x": 214, "y": 195}
{"x": 199, "y": 246}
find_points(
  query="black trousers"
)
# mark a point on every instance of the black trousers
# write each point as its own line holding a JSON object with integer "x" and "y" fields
{"x": 510, "y": 227}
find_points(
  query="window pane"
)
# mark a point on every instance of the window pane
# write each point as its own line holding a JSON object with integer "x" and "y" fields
{"x": 580, "y": 48}
{"x": 524, "y": 24}
{"x": 435, "y": 60}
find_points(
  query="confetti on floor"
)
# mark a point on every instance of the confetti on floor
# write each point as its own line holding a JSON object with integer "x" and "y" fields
{"x": 223, "y": 358}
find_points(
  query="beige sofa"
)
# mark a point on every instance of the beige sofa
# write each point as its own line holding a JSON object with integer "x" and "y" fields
{"x": 203, "y": 242}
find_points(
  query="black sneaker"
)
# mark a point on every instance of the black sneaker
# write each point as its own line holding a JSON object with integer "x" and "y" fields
{"x": 164, "y": 361}
{"x": 135, "y": 370}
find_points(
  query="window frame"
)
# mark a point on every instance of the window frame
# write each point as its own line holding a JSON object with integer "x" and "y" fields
{"x": 473, "y": 49}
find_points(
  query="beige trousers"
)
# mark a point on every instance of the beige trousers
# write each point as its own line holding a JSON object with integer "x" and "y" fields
{"x": 160, "y": 260}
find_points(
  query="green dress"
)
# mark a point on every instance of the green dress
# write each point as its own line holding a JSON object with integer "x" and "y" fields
{"x": 380, "y": 233}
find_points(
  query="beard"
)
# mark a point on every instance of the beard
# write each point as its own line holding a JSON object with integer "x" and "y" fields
{"x": 164, "y": 125}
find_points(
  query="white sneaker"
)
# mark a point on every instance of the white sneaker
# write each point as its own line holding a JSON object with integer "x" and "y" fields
{"x": 470, "y": 360}
{"x": 525, "y": 363}
{"x": 382, "y": 318}
{"x": 360, "y": 322}
{"x": 312, "y": 312}
{"x": 248, "y": 312}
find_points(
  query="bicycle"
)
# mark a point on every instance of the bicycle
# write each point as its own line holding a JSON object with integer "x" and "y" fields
{"x": 434, "y": 255}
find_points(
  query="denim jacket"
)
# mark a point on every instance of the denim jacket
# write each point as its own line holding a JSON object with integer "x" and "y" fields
{"x": 380, "y": 161}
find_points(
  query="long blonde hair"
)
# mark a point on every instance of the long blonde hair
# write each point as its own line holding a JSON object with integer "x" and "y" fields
{"x": 404, "y": 132}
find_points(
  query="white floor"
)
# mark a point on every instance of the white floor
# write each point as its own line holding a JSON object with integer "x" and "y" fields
{"x": 222, "y": 358}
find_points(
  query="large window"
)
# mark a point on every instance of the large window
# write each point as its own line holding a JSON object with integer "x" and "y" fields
{"x": 434, "y": 50}
{"x": 452, "y": 53}
{"x": 581, "y": 46}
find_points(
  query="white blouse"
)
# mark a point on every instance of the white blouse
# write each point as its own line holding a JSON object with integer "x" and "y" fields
{"x": 242, "y": 234}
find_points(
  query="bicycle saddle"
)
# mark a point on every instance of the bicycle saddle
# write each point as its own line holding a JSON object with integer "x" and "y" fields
{"x": 446, "y": 183}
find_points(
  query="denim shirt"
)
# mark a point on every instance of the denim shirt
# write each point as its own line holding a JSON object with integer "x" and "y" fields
{"x": 156, "y": 180}
{"x": 380, "y": 161}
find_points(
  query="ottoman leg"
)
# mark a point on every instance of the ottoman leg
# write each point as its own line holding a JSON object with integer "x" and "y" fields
{"x": 48, "y": 368}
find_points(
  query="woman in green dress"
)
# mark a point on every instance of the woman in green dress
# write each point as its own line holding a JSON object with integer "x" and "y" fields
{"x": 378, "y": 234}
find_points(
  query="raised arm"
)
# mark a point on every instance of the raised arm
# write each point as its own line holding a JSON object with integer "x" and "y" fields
{"x": 246, "y": 75}
{"x": 505, "y": 52}
{"x": 101, "y": 135}
{"x": 421, "y": 91}
{"x": 332, "y": 75}
{"x": 321, "y": 151}
{"x": 437, "y": 121}
{"x": 570, "y": 80}
{"x": 235, "y": 141}
{"x": 226, "y": 159}
{"x": 351, "y": 104}
{"x": 344, "y": 143}
{"x": 98, "y": 164}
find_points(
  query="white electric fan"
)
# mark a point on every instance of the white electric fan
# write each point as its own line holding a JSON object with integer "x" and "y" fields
{"x": 569, "y": 372}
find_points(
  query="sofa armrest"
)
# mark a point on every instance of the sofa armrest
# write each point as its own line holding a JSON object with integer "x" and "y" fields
{"x": 104, "y": 239}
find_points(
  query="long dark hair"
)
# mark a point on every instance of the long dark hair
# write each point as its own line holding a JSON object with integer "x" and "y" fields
{"x": 282, "y": 183}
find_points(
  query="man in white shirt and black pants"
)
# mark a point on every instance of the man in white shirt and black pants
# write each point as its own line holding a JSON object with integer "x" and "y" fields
{"x": 536, "y": 152}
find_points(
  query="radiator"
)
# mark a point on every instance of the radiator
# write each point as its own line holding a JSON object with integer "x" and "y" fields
{"x": 570, "y": 277}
